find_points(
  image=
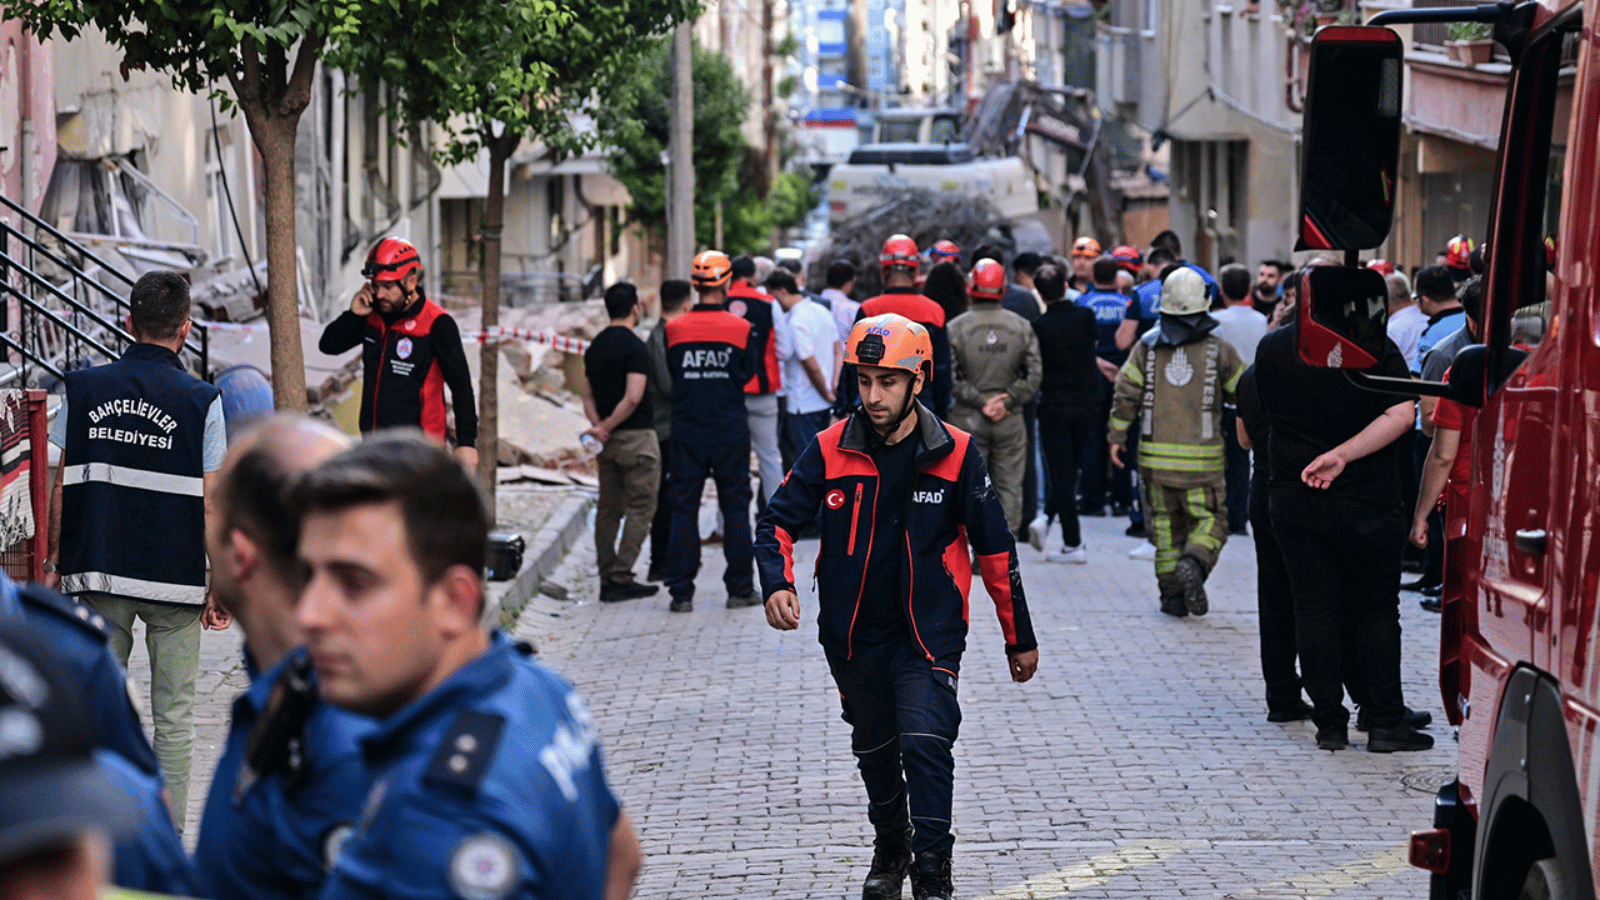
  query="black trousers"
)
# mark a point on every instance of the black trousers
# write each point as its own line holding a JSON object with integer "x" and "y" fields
{"x": 1274, "y": 612}
{"x": 1092, "y": 483}
{"x": 1065, "y": 432}
{"x": 1237, "y": 473}
{"x": 1343, "y": 561}
{"x": 661, "y": 525}
{"x": 729, "y": 465}
{"x": 904, "y": 718}
{"x": 1031, "y": 474}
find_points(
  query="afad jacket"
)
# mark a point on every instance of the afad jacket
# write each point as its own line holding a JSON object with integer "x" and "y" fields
{"x": 952, "y": 502}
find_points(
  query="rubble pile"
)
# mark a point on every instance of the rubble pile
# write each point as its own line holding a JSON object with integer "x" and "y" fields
{"x": 926, "y": 217}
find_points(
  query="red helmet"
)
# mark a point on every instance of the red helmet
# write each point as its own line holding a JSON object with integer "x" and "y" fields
{"x": 1382, "y": 267}
{"x": 1458, "y": 252}
{"x": 1128, "y": 258}
{"x": 898, "y": 250}
{"x": 1086, "y": 246}
{"x": 711, "y": 269}
{"x": 391, "y": 259}
{"x": 943, "y": 251}
{"x": 987, "y": 281}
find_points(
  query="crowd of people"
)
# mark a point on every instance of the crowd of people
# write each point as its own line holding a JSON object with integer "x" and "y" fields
{"x": 920, "y": 435}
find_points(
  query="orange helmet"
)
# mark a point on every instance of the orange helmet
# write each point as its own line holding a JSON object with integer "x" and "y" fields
{"x": 987, "y": 280}
{"x": 1382, "y": 267}
{"x": 898, "y": 250}
{"x": 711, "y": 269}
{"x": 1458, "y": 252}
{"x": 1128, "y": 258}
{"x": 890, "y": 341}
{"x": 943, "y": 251}
{"x": 1086, "y": 246}
{"x": 391, "y": 259}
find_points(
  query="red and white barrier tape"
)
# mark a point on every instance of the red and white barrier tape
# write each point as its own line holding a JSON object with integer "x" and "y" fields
{"x": 499, "y": 333}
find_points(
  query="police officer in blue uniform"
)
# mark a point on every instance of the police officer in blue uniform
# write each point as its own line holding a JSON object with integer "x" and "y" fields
{"x": 149, "y": 857}
{"x": 488, "y": 779}
{"x": 290, "y": 780}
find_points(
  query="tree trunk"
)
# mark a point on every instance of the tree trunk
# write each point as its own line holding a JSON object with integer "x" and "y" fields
{"x": 274, "y": 139}
{"x": 494, "y": 208}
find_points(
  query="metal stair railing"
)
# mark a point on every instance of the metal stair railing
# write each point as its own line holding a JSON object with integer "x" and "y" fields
{"x": 74, "y": 319}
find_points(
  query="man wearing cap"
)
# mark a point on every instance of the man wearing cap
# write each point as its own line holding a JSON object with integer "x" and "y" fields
{"x": 1172, "y": 388}
{"x": 291, "y": 766}
{"x": 140, "y": 440}
{"x": 62, "y": 806}
{"x": 411, "y": 351}
{"x": 997, "y": 366}
{"x": 900, "y": 495}
{"x": 711, "y": 354}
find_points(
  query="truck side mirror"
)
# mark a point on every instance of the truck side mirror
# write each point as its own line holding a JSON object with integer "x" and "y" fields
{"x": 1468, "y": 379}
{"x": 1351, "y": 134}
{"x": 1344, "y": 314}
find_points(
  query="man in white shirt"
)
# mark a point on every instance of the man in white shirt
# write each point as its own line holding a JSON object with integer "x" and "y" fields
{"x": 1406, "y": 320}
{"x": 1240, "y": 325}
{"x": 811, "y": 368}
{"x": 841, "y": 282}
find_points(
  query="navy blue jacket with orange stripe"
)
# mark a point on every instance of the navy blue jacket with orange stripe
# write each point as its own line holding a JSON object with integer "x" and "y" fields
{"x": 952, "y": 502}
{"x": 709, "y": 356}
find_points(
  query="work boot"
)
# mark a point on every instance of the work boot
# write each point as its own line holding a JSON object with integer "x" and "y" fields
{"x": 1172, "y": 605}
{"x": 1411, "y": 718}
{"x": 930, "y": 877}
{"x": 891, "y": 856}
{"x": 1192, "y": 576}
{"x": 1401, "y": 738}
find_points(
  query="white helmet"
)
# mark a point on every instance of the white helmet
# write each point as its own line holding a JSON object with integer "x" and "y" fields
{"x": 1184, "y": 293}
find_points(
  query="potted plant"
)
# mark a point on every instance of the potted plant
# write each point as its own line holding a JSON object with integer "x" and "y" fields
{"x": 1470, "y": 42}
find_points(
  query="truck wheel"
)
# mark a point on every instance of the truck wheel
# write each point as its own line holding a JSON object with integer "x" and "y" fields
{"x": 1543, "y": 882}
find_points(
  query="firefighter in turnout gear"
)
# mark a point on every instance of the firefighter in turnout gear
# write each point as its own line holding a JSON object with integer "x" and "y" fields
{"x": 1172, "y": 388}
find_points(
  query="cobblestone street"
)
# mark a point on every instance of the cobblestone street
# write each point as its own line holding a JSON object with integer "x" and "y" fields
{"x": 1138, "y": 763}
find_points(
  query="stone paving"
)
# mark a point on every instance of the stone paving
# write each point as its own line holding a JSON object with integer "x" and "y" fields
{"x": 1138, "y": 763}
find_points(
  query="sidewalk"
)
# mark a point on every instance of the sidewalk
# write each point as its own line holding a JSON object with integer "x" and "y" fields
{"x": 1138, "y": 763}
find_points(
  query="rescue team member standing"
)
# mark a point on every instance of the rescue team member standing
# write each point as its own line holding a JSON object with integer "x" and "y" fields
{"x": 489, "y": 781}
{"x": 290, "y": 779}
{"x": 411, "y": 351}
{"x": 141, "y": 439}
{"x": 617, "y": 369}
{"x": 769, "y": 346}
{"x": 1173, "y": 387}
{"x": 901, "y": 296}
{"x": 709, "y": 356}
{"x": 997, "y": 370}
{"x": 900, "y": 494}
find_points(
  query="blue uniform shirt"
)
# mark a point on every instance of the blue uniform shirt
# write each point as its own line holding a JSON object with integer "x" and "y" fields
{"x": 1108, "y": 307}
{"x": 259, "y": 837}
{"x": 78, "y": 636}
{"x": 10, "y": 606}
{"x": 489, "y": 787}
{"x": 151, "y": 859}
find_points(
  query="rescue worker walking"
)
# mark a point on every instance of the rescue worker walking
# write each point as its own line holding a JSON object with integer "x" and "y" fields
{"x": 900, "y": 494}
{"x": 997, "y": 369}
{"x": 709, "y": 353}
{"x": 1173, "y": 387}
{"x": 902, "y": 296}
{"x": 411, "y": 351}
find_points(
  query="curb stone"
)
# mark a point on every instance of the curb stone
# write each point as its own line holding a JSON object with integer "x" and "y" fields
{"x": 546, "y": 548}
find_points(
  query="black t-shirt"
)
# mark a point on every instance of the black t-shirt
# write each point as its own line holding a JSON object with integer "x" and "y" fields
{"x": 883, "y": 597}
{"x": 1255, "y": 426}
{"x": 1312, "y": 410}
{"x": 613, "y": 355}
{"x": 1067, "y": 340}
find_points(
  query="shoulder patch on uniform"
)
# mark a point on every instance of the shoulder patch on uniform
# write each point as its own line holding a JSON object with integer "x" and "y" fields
{"x": 464, "y": 755}
{"x": 41, "y": 599}
{"x": 483, "y": 867}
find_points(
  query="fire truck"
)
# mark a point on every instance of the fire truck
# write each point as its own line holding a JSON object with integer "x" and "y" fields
{"x": 1519, "y": 655}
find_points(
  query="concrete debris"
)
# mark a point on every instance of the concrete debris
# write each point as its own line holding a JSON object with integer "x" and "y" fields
{"x": 926, "y": 217}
